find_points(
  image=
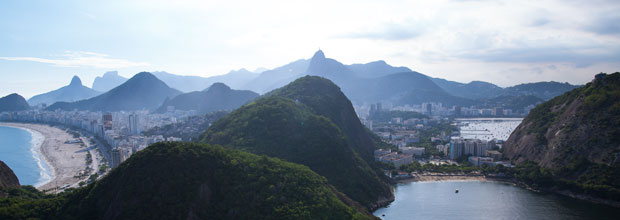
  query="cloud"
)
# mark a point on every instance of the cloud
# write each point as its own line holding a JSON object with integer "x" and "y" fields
{"x": 581, "y": 57}
{"x": 389, "y": 31}
{"x": 82, "y": 59}
{"x": 605, "y": 24}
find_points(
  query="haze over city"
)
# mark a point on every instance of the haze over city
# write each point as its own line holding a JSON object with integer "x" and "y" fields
{"x": 44, "y": 44}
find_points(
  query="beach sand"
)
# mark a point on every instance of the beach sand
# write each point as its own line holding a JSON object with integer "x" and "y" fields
{"x": 427, "y": 177}
{"x": 66, "y": 160}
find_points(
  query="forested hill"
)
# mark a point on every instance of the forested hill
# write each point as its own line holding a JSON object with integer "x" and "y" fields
{"x": 575, "y": 137}
{"x": 309, "y": 122}
{"x": 193, "y": 181}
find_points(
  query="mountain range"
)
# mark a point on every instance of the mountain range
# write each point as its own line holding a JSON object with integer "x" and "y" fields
{"x": 75, "y": 91}
{"x": 217, "y": 97}
{"x": 380, "y": 82}
{"x": 13, "y": 102}
{"x": 363, "y": 83}
{"x": 108, "y": 81}
{"x": 142, "y": 92}
{"x": 236, "y": 79}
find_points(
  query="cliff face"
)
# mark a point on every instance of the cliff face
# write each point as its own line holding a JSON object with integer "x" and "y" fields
{"x": 582, "y": 125}
{"x": 7, "y": 177}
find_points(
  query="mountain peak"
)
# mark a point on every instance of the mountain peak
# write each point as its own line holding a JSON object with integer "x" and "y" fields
{"x": 319, "y": 55}
{"x": 218, "y": 86}
{"x": 75, "y": 81}
{"x": 143, "y": 76}
{"x": 110, "y": 73}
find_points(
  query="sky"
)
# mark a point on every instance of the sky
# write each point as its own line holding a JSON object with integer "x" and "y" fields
{"x": 44, "y": 43}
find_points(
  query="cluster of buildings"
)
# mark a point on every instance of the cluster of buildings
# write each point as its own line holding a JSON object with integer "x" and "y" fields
{"x": 387, "y": 156}
{"x": 479, "y": 152}
{"x": 438, "y": 109}
{"x": 122, "y": 132}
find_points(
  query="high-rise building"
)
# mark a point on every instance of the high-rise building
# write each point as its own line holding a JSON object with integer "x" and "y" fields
{"x": 134, "y": 124}
{"x": 107, "y": 121}
{"x": 117, "y": 157}
{"x": 429, "y": 109}
{"x": 456, "y": 148}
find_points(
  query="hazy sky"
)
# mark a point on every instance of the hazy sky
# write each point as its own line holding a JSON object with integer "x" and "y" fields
{"x": 44, "y": 43}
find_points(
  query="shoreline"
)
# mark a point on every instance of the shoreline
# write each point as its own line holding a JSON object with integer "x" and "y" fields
{"x": 65, "y": 160}
{"x": 36, "y": 142}
{"x": 439, "y": 177}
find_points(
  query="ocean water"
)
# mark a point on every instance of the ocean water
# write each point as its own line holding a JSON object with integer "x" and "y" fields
{"x": 19, "y": 149}
{"x": 486, "y": 200}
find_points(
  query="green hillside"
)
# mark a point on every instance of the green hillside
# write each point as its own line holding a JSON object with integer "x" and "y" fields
{"x": 309, "y": 122}
{"x": 194, "y": 181}
{"x": 575, "y": 138}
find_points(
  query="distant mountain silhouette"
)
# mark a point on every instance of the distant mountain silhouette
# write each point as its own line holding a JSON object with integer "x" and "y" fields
{"x": 401, "y": 89}
{"x": 485, "y": 90}
{"x": 75, "y": 91}
{"x": 109, "y": 81}
{"x": 376, "y": 69}
{"x": 472, "y": 90}
{"x": 142, "y": 91}
{"x": 380, "y": 82}
{"x": 215, "y": 98}
{"x": 235, "y": 79}
{"x": 13, "y": 102}
{"x": 278, "y": 77}
{"x": 543, "y": 90}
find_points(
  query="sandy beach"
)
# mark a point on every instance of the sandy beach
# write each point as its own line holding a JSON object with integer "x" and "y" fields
{"x": 426, "y": 177}
{"x": 67, "y": 160}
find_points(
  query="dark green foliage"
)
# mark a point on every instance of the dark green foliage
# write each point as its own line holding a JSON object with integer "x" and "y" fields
{"x": 13, "y": 102}
{"x": 323, "y": 97}
{"x": 312, "y": 123}
{"x": 194, "y": 181}
{"x": 580, "y": 130}
{"x": 28, "y": 203}
{"x": 281, "y": 128}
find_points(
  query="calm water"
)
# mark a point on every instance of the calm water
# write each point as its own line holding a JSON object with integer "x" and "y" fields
{"x": 486, "y": 200}
{"x": 488, "y": 128}
{"x": 19, "y": 149}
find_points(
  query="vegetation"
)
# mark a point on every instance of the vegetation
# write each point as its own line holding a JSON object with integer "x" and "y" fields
{"x": 192, "y": 181}
{"x": 310, "y": 129}
{"x": 580, "y": 130}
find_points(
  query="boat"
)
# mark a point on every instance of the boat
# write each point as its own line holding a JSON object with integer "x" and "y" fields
{"x": 457, "y": 191}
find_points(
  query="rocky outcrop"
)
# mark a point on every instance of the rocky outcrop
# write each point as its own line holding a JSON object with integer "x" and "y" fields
{"x": 581, "y": 125}
{"x": 7, "y": 177}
